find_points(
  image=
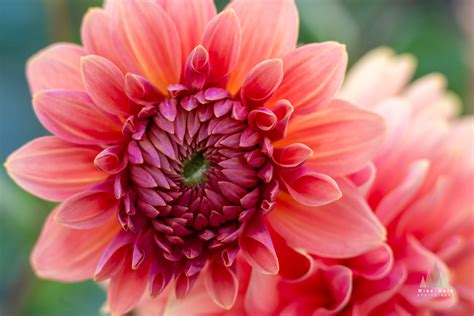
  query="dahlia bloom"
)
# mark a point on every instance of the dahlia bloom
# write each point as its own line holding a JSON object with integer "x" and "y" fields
{"x": 421, "y": 192}
{"x": 182, "y": 137}
{"x": 419, "y": 186}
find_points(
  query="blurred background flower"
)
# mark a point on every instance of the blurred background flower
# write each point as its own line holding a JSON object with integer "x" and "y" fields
{"x": 438, "y": 32}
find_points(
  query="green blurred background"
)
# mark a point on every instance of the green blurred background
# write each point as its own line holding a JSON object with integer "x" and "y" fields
{"x": 435, "y": 31}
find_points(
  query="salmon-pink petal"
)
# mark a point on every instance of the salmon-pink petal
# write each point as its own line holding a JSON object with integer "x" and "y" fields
{"x": 313, "y": 75}
{"x": 184, "y": 284}
{"x": 140, "y": 90}
{"x": 344, "y": 138}
{"x": 111, "y": 160}
{"x": 364, "y": 178}
{"x": 283, "y": 111}
{"x": 96, "y": 34}
{"x": 105, "y": 83}
{"x": 114, "y": 255}
{"x": 262, "y": 297}
{"x": 293, "y": 155}
{"x": 295, "y": 265}
{"x": 73, "y": 116}
{"x": 262, "y": 80}
{"x": 379, "y": 292}
{"x": 373, "y": 70}
{"x": 326, "y": 292}
{"x": 190, "y": 19}
{"x": 374, "y": 264}
{"x": 310, "y": 188}
{"x": 66, "y": 254}
{"x": 148, "y": 42}
{"x": 257, "y": 247}
{"x": 338, "y": 281}
{"x": 196, "y": 70}
{"x": 269, "y": 30}
{"x": 221, "y": 283}
{"x": 54, "y": 169}
{"x": 87, "y": 209}
{"x": 398, "y": 115}
{"x": 198, "y": 301}
{"x": 127, "y": 287}
{"x": 344, "y": 228}
{"x": 421, "y": 262}
{"x": 421, "y": 213}
{"x": 262, "y": 119}
{"x": 56, "y": 67}
{"x": 221, "y": 38}
{"x": 428, "y": 95}
{"x": 396, "y": 200}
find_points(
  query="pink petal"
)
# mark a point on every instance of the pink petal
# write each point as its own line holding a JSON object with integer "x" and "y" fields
{"x": 197, "y": 301}
{"x": 105, "y": 84}
{"x": 111, "y": 160}
{"x": 419, "y": 215}
{"x": 148, "y": 42}
{"x": 283, "y": 111}
{"x": 114, "y": 255}
{"x": 396, "y": 200}
{"x": 398, "y": 115}
{"x": 378, "y": 293}
{"x": 326, "y": 292}
{"x": 374, "y": 264}
{"x": 295, "y": 265}
{"x": 184, "y": 284}
{"x": 127, "y": 287}
{"x": 339, "y": 283}
{"x": 257, "y": 247}
{"x": 344, "y": 228}
{"x": 293, "y": 155}
{"x": 269, "y": 30}
{"x": 221, "y": 283}
{"x": 56, "y": 67}
{"x": 262, "y": 119}
{"x": 262, "y": 297}
{"x": 87, "y": 209}
{"x": 343, "y": 137}
{"x": 66, "y": 254}
{"x": 197, "y": 68}
{"x": 420, "y": 261}
{"x": 73, "y": 116}
{"x": 313, "y": 74}
{"x": 53, "y": 169}
{"x": 96, "y": 34}
{"x": 373, "y": 70}
{"x": 262, "y": 80}
{"x": 190, "y": 19}
{"x": 310, "y": 188}
{"x": 140, "y": 90}
{"x": 428, "y": 95}
{"x": 221, "y": 38}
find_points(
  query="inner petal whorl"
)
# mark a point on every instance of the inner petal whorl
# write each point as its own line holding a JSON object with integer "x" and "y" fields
{"x": 197, "y": 173}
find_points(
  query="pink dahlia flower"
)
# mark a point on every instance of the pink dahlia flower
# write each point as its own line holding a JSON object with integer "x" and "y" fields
{"x": 419, "y": 186}
{"x": 182, "y": 137}
{"x": 421, "y": 191}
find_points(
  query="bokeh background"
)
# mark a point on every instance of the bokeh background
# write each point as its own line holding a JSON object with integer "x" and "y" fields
{"x": 438, "y": 32}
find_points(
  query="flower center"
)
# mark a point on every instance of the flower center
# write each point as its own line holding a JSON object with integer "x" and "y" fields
{"x": 197, "y": 173}
{"x": 195, "y": 169}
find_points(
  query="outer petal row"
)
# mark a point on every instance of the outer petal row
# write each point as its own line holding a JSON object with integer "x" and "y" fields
{"x": 342, "y": 137}
{"x": 67, "y": 254}
{"x": 344, "y": 228}
{"x": 54, "y": 169}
